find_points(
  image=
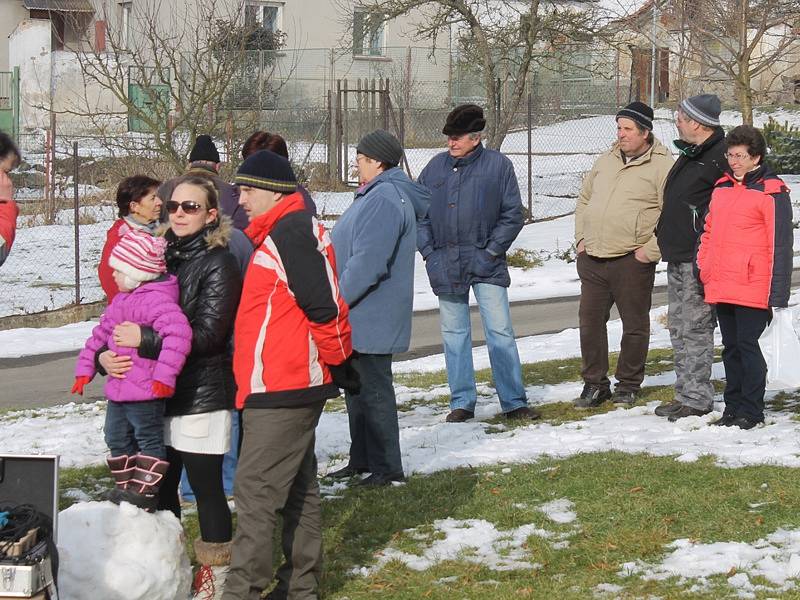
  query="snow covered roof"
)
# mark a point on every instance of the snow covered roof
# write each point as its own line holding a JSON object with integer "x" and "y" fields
{"x": 59, "y": 5}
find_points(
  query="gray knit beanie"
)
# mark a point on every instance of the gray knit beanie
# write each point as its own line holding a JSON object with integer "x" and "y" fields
{"x": 704, "y": 109}
{"x": 382, "y": 146}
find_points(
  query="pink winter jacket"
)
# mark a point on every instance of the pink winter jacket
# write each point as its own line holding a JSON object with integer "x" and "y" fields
{"x": 153, "y": 304}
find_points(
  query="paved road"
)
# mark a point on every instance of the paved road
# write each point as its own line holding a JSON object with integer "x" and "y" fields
{"x": 38, "y": 381}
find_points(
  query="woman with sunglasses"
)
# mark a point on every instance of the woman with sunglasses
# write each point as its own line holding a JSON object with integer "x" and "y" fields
{"x": 138, "y": 208}
{"x": 745, "y": 261}
{"x": 198, "y": 416}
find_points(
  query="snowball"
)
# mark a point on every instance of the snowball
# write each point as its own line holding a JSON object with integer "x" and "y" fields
{"x": 121, "y": 553}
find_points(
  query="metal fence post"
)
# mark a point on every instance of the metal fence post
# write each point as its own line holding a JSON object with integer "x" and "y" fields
{"x": 76, "y": 217}
{"x": 530, "y": 156}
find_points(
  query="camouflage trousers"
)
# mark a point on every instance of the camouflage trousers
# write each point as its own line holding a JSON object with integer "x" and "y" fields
{"x": 691, "y": 330}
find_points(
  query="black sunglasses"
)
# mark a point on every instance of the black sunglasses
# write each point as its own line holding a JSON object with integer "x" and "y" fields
{"x": 189, "y": 207}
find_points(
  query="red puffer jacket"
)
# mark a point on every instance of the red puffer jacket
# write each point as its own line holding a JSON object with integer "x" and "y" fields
{"x": 745, "y": 254}
{"x": 8, "y": 226}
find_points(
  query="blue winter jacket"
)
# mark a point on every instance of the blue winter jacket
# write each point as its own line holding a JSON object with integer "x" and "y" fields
{"x": 475, "y": 215}
{"x": 375, "y": 241}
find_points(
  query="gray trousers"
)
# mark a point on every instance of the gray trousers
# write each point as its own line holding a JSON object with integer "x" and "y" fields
{"x": 277, "y": 472}
{"x": 691, "y": 330}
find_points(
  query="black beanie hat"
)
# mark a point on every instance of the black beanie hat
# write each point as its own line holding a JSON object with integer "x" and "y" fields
{"x": 639, "y": 112}
{"x": 704, "y": 109}
{"x": 267, "y": 171}
{"x": 382, "y": 146}
{"x": 467, "y": 118}
{"x": 204, "y": 149}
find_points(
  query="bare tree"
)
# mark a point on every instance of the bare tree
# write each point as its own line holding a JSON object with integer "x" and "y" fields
{"x": 740, "y": 40}
{"x": 502, "y": 39}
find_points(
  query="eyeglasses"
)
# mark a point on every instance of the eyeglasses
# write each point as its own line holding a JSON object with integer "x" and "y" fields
{"x": 188, "y": 206}
{"x": 737, "y": 156}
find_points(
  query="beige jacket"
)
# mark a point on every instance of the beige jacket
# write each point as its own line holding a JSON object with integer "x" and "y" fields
{"x": 619, "y": 204}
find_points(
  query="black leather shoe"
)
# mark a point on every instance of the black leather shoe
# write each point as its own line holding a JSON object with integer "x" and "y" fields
{"x": 686, "y": 411}
{"x": 666, "y": 410}
{"x": 522, "y": 413}
{"x": 724, "y": 421}
{"x": 459, "y": 415}
{"x": 380, "y": 480}
{"x": 346, "y": 472}
{"x": 592, "y": 396}
{"x": 744, "y": 423}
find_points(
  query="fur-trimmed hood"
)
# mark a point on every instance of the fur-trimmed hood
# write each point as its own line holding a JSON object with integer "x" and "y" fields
{"x": 216, "y": 234}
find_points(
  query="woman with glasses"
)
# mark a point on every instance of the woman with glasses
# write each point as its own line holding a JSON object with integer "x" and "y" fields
{"x": 198, "y": 416}
{"x": 138, "y": 208}
{"x": 745, "y": 261}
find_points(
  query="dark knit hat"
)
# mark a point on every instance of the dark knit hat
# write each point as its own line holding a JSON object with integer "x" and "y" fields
{"x": 204, "y": 149}
{"x": 704, "y": 109}
{"x": 268, "y": 171}
{"x": 467, "y": 118}
{"x": 638, "y": 112}
{"x": 382, "y": 146}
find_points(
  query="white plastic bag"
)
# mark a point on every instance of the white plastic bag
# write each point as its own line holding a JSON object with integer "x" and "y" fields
{"x": 781, "y": 349}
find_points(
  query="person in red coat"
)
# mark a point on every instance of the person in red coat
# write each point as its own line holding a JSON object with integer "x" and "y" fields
{"x": 139, "y": 208}
{"x": 9, "y": 159}
{"x": 745, "y": 262}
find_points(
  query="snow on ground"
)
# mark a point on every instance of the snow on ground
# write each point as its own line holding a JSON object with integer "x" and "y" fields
{"x": 121, "y": 552}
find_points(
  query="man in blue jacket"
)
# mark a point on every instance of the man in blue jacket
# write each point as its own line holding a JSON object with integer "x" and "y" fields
{"x": 475, "y": 215}
{"x": 375, "y": 241}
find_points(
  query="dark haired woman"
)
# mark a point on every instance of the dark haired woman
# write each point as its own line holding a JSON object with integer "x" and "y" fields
{"x": 138, "y": 208}
{"x": 745, "y": 261}
{"x": 264, "y": 140}
{"x": 9, "y": 159}
{"x": 198, "y": 422}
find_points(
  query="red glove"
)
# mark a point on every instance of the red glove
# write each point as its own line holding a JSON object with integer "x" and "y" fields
{"x": 80, "y": 383}
{"x": 162, "y": 390}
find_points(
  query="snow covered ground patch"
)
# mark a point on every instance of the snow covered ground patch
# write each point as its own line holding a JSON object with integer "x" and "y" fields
{"x": 115, "y": 552}
{"x": 776, "y": 558}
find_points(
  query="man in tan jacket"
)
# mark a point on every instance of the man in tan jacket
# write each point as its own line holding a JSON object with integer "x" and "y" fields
{"x": 615, "y": 219}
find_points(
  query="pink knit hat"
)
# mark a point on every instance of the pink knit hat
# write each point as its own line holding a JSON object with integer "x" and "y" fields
{"x": 139, "y": 255}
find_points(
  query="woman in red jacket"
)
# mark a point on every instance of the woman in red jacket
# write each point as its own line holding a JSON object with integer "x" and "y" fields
{"x": 745, "y": 261}
{"x": 139, "y": 208}
{"x": 9, "y": 159}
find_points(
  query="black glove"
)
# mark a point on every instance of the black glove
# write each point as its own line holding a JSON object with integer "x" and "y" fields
{"x": 346, "y": 377}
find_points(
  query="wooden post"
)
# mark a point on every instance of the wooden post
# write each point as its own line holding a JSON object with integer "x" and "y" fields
{"x": 530, "y": 156}
{"x": 345, "y": 127}
{"x": 76, "y": 218}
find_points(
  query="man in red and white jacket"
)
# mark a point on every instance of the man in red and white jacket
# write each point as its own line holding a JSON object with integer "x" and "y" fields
{"x": 292, "y": 352}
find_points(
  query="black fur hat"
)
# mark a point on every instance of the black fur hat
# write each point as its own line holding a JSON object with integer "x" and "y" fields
{"x": 466, "y": 118}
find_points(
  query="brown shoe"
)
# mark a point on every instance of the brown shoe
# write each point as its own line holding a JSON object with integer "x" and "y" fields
{"x": 666, "y": 410}
{"x": 686, "y": 411}
{"x": 459, "y": 415}
{"x": 523, "y": 412}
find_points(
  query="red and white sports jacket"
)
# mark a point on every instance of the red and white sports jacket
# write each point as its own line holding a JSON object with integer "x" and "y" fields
{"x": 291, "y": 321}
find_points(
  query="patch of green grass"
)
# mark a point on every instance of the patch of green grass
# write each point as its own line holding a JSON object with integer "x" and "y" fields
{"x": 73, "y": 482}
{"x": 629, "y": 507}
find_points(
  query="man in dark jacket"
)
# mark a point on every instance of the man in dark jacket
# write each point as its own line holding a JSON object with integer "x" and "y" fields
{"x": 475, "y": 215}
{"x": 204, "y": 160}
{"x": 375, "y": 242}
{"x": 687, "y": 193}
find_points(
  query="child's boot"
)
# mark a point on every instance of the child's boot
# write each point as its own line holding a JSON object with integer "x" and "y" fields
{"x": 122, "y": 468}
{"x": 142, "y": 488}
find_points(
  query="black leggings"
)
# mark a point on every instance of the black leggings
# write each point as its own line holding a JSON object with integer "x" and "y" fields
{"x": 205, "y": 477}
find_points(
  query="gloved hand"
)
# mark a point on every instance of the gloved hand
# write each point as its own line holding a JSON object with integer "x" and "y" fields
{"x": 162, "y": 390}
{"x": 346, "y": 377}
{"x": 80, "y": 383}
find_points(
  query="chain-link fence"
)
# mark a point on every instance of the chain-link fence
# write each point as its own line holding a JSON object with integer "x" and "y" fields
{"x": 67, "y": 201}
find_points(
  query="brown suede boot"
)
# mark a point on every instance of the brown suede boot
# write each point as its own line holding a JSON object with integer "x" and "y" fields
{"x": 214, "y": 559}
{"x": 142, "y": 488}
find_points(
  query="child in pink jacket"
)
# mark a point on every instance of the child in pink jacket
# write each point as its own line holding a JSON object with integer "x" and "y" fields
{"x": 134, "y": 428}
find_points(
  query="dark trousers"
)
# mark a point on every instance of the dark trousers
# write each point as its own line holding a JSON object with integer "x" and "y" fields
{"x": 745, "y": 368}
{"x": 628, "y": 283}
{"x": 135, "y": 427}
{"x": 374, "y": 431}
{"x": 205, "y": 476}
{"x": 277, "y": 473}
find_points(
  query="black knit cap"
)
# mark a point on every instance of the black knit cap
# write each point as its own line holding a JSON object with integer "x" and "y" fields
{"x": 204, "y": 149}
{"x": 267, "y": 171}
{"x": 466, "y": 118}
{"x": 639, "y": 112}
{"x": 382, "y": 146}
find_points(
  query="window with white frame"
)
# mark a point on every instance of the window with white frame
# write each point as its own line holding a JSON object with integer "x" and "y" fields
{"x": 125, "y": 39}
{"x": 368, "y": 38}
{"x": 264, "y": 14}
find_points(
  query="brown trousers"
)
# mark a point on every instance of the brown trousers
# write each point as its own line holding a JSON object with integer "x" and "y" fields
{"x": 628, "y": 283}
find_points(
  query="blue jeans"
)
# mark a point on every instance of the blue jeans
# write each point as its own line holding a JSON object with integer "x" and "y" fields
{"x": 229, "y": 464}
{"x": 503, "y": 354}
{"x": 374, "y": 431}
{"x": 135, "y": 427}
